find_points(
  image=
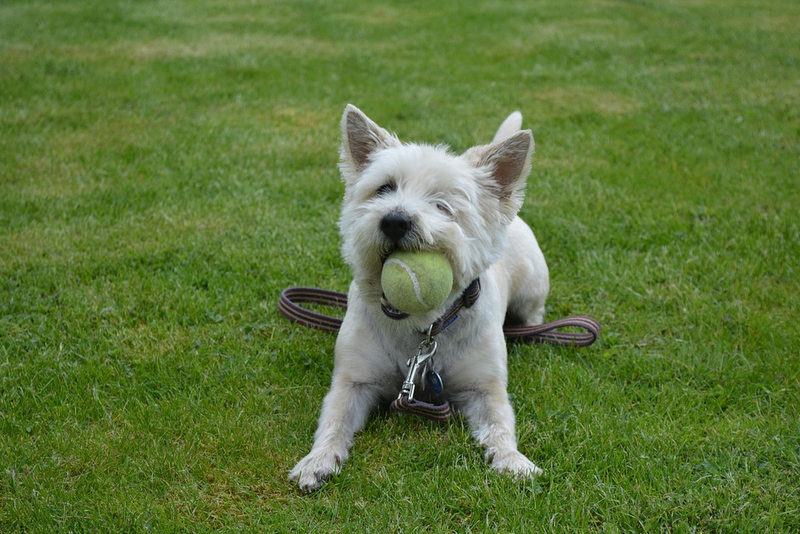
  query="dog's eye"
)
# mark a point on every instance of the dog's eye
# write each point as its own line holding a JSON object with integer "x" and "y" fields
{"x": 386, "y": 188}
{"x": 445, "y": 208}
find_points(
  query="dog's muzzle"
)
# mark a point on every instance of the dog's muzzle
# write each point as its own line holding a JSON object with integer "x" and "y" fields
{"x": 396, "y": 225}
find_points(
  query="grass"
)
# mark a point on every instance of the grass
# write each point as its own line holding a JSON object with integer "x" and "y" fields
{"x": 166, "y": 168}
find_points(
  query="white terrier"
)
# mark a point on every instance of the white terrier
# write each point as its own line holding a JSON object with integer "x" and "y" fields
{"x": 420, "y": 197}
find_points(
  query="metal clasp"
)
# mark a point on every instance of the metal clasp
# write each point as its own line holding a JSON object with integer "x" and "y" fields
{"x": 425, "y": 351}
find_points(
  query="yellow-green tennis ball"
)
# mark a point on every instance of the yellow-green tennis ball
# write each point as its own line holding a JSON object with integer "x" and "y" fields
{"x": 416, "y": 282}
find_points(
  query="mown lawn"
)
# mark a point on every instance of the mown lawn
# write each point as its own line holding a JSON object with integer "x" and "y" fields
{"x": 166, "y": 168}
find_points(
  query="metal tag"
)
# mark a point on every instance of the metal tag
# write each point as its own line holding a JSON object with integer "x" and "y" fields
{"x": 434, "y": 381}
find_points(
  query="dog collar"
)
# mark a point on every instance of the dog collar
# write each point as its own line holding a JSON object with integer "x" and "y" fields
{"x": 467, "y": 299}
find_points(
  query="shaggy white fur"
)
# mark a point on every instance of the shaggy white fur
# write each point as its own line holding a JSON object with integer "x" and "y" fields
{"x": 464, "y": 206}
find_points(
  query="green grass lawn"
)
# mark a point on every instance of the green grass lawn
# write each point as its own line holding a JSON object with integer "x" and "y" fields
{"x": 167, "y": 167}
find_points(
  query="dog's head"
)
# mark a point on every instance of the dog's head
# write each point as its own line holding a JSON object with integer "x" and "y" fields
{"x": 422, "y": 197}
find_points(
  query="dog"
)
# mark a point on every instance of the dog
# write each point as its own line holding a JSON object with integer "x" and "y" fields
{"x": 418, "y": 197}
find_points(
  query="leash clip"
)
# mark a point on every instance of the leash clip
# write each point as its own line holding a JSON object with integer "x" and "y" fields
{"x": 425, "y": 351}
{"x": 405, "y": 403}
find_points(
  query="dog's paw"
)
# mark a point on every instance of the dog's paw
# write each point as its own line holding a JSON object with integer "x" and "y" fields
{"x": 311, "y": 472}
{"x": 515, "y": 464}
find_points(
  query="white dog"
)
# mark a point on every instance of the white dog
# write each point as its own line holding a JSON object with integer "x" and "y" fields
{"x": 421, "y": 197}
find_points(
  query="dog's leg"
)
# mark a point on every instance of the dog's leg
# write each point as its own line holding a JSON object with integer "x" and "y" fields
{"x": 491, "y": 418}
{"x": 344, "y": 412}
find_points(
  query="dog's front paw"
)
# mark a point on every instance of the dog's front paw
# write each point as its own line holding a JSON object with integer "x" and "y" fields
{"x": 311, "y": 472}
{"x": 515, "y": 464}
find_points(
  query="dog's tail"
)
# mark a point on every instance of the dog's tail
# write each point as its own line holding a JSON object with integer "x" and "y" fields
{"x": 510, "y": 126}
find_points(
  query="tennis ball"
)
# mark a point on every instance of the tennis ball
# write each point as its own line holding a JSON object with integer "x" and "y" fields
{"x": 416, "y": 282}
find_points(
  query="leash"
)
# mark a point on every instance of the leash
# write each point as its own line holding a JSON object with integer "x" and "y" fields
{"x": 543, "y": 333}
{"x": 290, "y": 296}
{"x": 405, "y": 401}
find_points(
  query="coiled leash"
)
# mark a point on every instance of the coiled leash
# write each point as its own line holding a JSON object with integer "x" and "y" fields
{"x": 406, "y": 403}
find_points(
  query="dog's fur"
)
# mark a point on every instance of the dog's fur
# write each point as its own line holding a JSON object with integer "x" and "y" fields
{"x": 466, "y": 207}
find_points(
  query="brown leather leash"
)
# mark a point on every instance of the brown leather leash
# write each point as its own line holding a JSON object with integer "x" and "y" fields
{"x": 289, "y": 308}
{"x": 405, "y": 402}
{"x": 543, "y": 333}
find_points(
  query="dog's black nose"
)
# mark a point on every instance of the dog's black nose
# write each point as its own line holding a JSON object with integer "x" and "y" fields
{"x": 395, "y": 225}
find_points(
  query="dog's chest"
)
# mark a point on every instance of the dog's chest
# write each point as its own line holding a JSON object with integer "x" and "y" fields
{"x": 433, "y": 373}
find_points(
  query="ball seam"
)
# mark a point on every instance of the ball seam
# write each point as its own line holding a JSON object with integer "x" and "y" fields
{"x": 412, "y": 275}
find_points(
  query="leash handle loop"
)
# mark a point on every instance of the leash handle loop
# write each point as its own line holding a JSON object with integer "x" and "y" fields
{"x": 550, "y": 333}
{"x": 288, "y": 307}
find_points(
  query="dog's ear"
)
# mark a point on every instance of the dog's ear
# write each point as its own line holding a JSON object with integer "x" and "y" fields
{"x": 360, "y": 138}
{"x": 509, "y": 163}
{"x": 510, "y": 126}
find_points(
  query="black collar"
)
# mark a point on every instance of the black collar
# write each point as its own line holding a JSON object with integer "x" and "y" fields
{"x": 468, "y": 297}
